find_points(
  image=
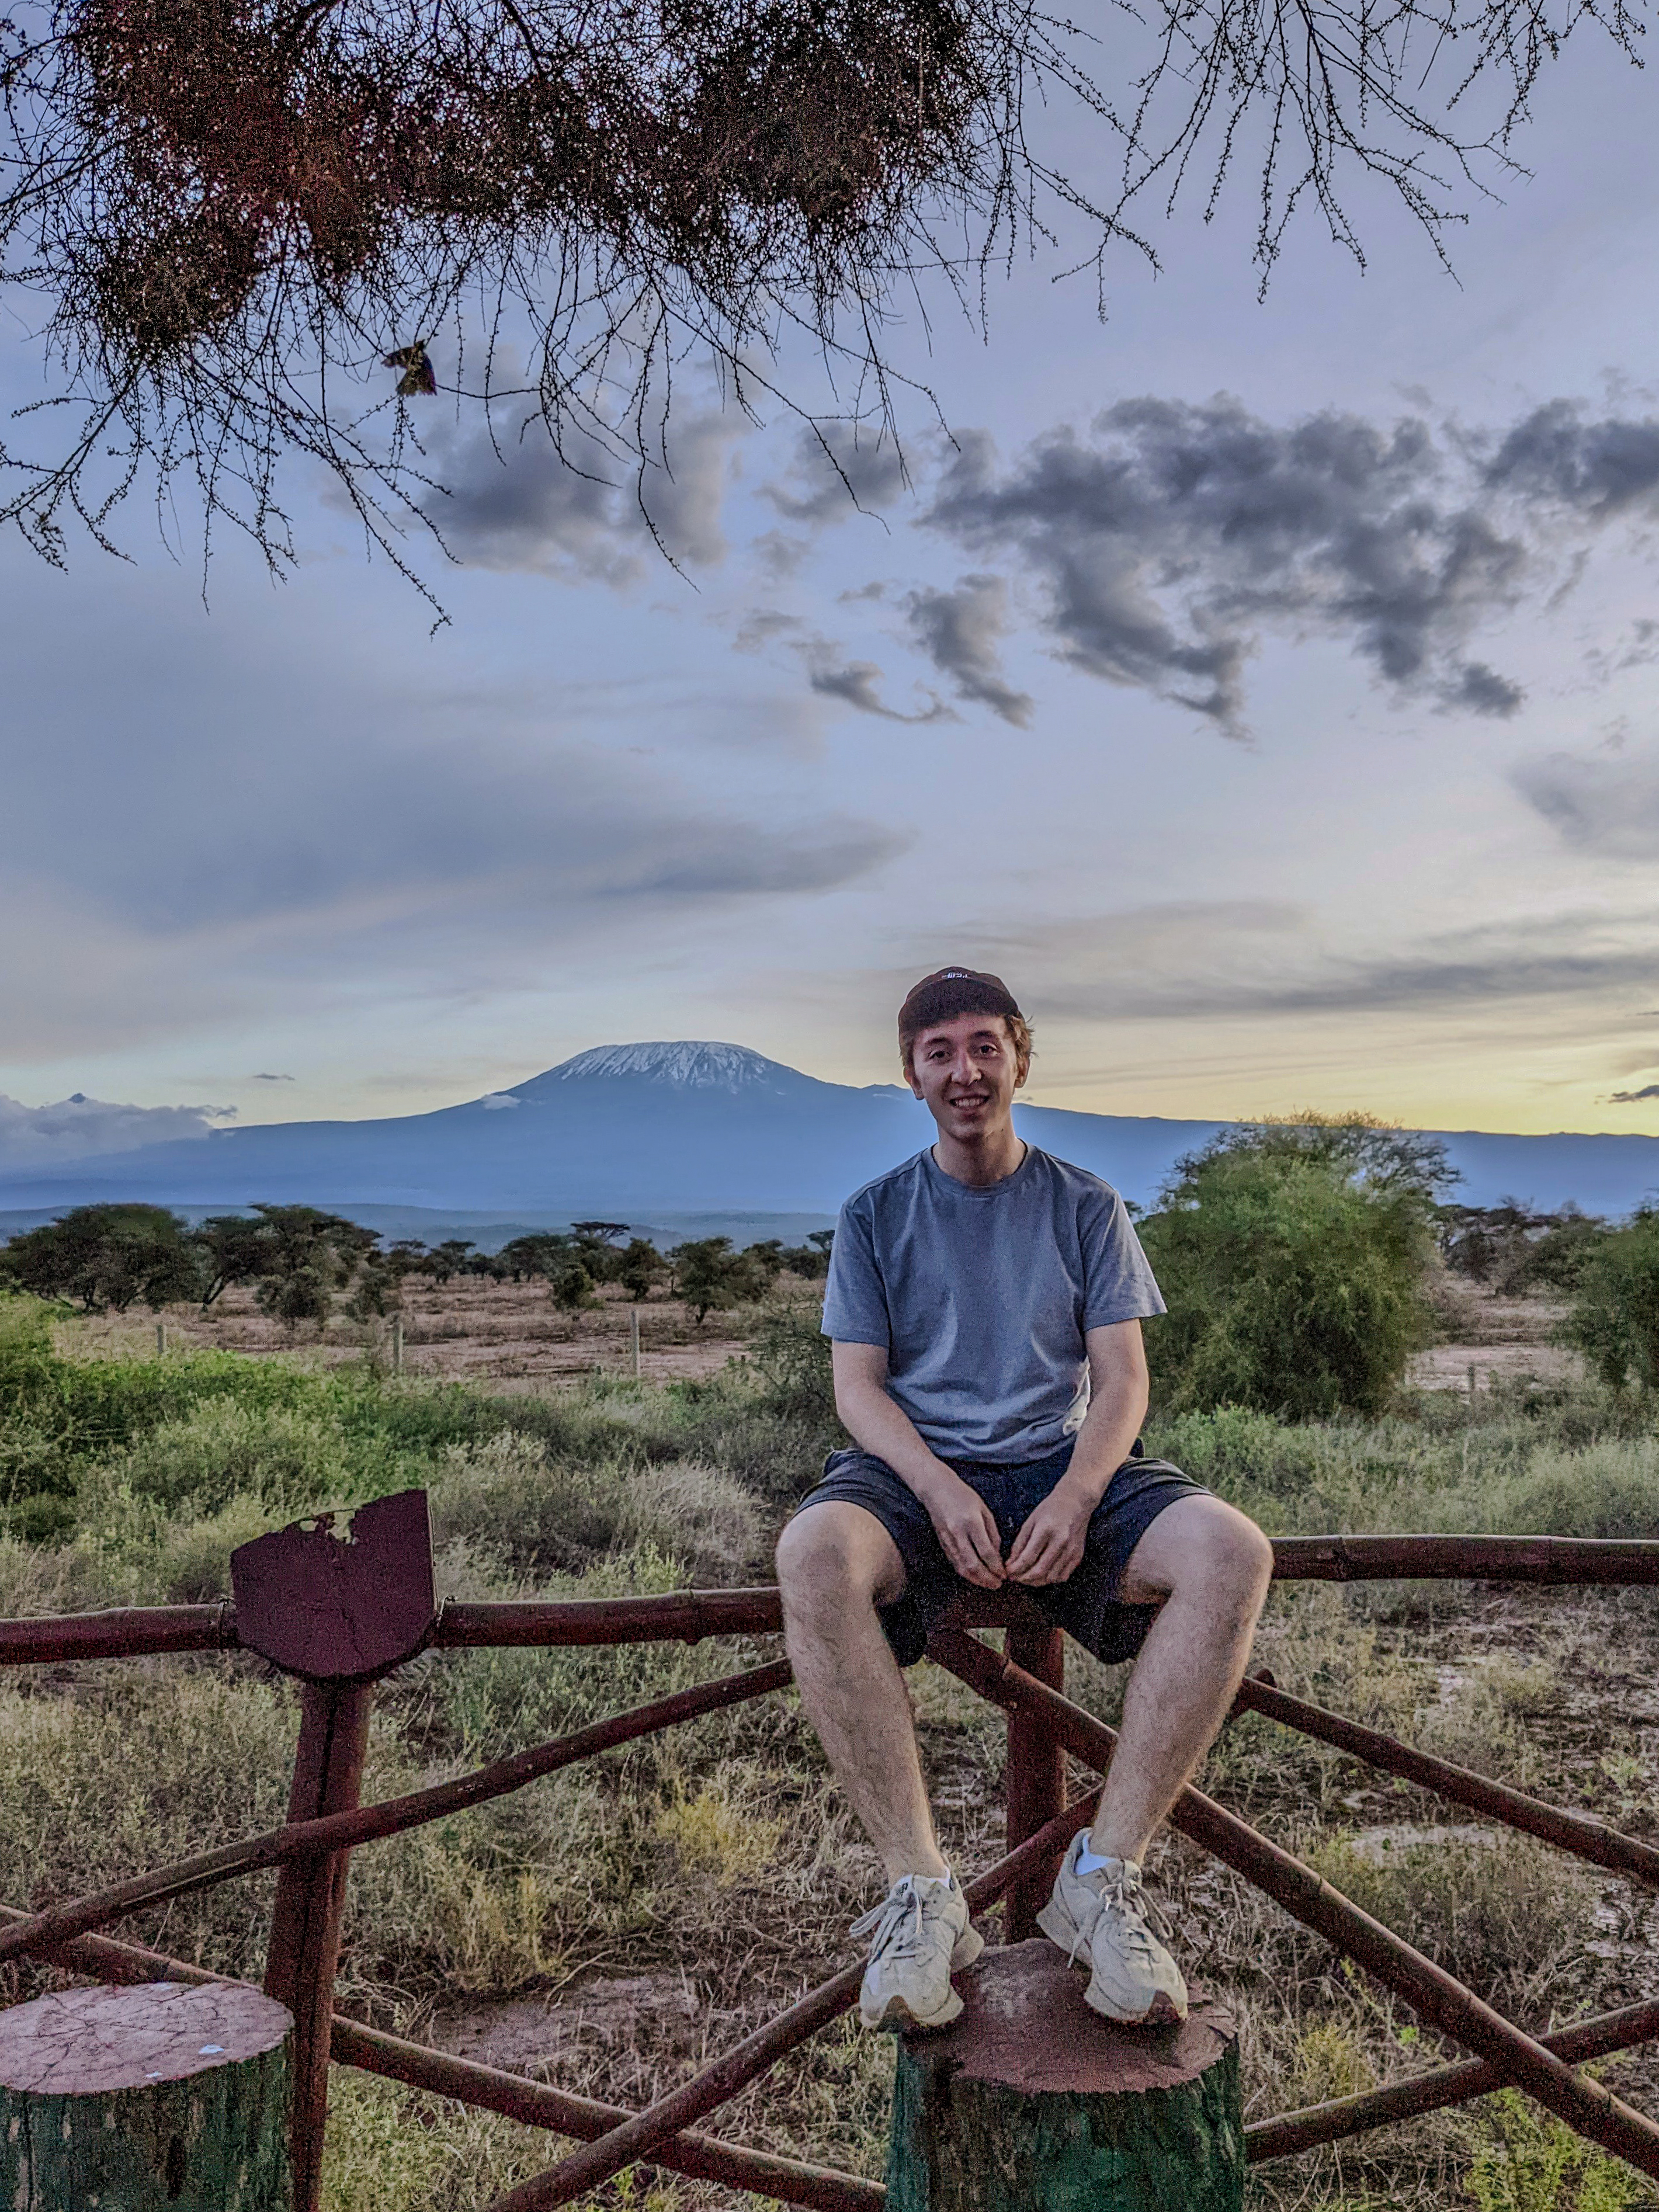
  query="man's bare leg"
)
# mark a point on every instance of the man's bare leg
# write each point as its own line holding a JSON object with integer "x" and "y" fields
{"x": 836, "y": 1564}
{"x": 1210, "y": 1567}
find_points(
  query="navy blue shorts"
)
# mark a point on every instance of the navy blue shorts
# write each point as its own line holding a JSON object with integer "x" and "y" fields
{"x": 1086, "y": 1606}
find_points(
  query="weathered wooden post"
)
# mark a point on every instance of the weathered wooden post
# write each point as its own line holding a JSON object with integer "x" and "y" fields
{"x": 1029, "y": 2102}
{"x": 1034, "y": 1784}
{"x": 338, "y": 1600}
{"x": 160, "y": 2098}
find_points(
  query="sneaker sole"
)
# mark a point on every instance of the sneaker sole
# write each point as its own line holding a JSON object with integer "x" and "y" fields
{"x": 898, "y": 2015}
{"x": 1058, "y": 1925}
{"x": 1163, "y": 2012}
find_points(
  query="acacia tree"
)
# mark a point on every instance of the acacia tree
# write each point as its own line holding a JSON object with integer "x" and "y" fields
{"x": 106, "y": 1257}
{"x": 242, "y": 224}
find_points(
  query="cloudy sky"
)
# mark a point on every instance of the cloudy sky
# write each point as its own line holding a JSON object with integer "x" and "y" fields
{"x": 1265, "y": 688}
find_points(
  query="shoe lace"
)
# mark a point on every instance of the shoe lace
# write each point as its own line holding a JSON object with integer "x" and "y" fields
{"x": 896, "y": 1922}
{"x": 1139, "y": 1916}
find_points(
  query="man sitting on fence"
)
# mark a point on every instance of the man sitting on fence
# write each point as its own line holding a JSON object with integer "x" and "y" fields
{"x": 984, "y": 1303}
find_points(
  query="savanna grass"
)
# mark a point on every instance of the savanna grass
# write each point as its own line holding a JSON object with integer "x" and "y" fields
{"x": 715, "y": 1865}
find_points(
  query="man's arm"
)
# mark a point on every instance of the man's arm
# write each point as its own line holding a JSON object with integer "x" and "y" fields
{"x": 1050, "y": 1545}
{"x": 963, "y": 1519}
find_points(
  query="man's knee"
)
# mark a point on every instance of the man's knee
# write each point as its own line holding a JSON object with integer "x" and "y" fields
{"x": 837, "y": 1553}
{"x": 1231, "y": 1553}
{"x": 1203, "y": 1546}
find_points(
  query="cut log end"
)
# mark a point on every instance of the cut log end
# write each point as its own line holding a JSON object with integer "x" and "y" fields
{"x": 1029, "y": 2100}
{"x": 161, "y": 2095}
{"x": 90, "y": 2042}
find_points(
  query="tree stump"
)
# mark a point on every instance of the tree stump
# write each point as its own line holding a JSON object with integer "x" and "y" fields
{"x": 1029, "y": 2102}
{"x": 161, "y": 2098}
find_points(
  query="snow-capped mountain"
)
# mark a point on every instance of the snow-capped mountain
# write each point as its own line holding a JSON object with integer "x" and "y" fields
{"x": 637, "y": 1131}
{"x": 687, "y": 1062}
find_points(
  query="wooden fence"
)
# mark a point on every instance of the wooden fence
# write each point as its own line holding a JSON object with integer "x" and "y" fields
{"x": 340, "y": 1601}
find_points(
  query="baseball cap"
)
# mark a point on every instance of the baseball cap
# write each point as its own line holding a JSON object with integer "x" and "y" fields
{"x": 949, "y": 992}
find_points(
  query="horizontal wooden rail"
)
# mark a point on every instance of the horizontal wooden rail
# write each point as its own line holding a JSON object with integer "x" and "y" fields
{"x": 683, "y": 1616}
{"x": 1581, "y": 1834}
{"x": 1431, "y": 1992}
{"x": 336, "y": 1831}
{"x": 1611, "y": 1562}
{"x": 132, "y": 1632}
{"x": 687, "y": 1616}
{"x": 717, "y": 2083}
{"x": 534, "y": 2103}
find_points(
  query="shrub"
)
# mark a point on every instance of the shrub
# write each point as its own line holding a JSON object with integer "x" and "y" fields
{"x": 1532, "y": 2162}
{"x": 537, "y": 1515}
{"x": 1614, "y": 1320}
{"x": 1610, "y": 1489}
{"x": 1295, "y": 1285}
{"x": 572, "y": 1287}
{"x": 792, "y": 1354}
{"x": 1237, "y": 1450}
{"x": 1508, "y": 1920}
{"x": 284, "y": 1458}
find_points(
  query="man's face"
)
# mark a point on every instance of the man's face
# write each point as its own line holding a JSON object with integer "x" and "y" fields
{"x": 967, "y": 1072}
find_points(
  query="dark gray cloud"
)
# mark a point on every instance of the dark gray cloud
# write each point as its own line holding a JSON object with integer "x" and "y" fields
{"x": 1604, "y": 803}
{"x": 854, "y": 682}
{"x": 1557, "y": 456}
{"x": 959, "y": 631}
{"x": 512, "y": 501}
{"x": 1173, "y": 535}
{"x": 838, "y": 468}
{"x": 274, "y": 1079}
{"x": 1631, "y": 1098}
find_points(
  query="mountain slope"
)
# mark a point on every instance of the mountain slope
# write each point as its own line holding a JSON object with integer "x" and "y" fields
{"x": 630, "y": 1132}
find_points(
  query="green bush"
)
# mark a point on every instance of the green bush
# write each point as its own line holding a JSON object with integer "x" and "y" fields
{"x": 792, "y": 1355}
{"x": 1295, "y": 1285}
{"x": 1614, "y": 1320}
{"x": 1239, "y": 1451}
{"x": 1610, "y": 1489}
{"x": 285, "y": 1458}
{"x": 1528, "y": 2161}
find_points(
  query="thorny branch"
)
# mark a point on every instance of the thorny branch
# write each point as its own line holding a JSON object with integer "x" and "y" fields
{"x": 221, "y": 215}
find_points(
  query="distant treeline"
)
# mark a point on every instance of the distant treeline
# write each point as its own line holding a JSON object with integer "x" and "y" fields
{"x": 1299, "y": 1258}
{"x": 301, "y": 1262}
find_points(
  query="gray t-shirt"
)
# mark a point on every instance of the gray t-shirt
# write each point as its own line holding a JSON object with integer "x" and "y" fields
{"x": 979, "y": 1297}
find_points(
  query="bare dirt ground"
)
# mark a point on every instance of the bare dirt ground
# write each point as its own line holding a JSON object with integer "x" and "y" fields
{"x": 1498, "y": 1338}
{"x": 509, "y": 1335}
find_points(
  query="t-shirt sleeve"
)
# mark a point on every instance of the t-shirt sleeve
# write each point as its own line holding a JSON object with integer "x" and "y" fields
{"x": 1119, "y": 1283}
{"x": 854, "y": 1300}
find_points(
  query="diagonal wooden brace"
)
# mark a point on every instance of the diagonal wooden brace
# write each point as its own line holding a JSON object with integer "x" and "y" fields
{"x": 1585, "y": 2105}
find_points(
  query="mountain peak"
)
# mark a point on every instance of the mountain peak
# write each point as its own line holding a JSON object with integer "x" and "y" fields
{"x": 687, "y": 1063}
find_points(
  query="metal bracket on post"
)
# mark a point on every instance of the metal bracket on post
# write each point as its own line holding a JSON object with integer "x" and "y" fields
{"x": 338, "y": 1600}
{"x": 1036, "y": 1785}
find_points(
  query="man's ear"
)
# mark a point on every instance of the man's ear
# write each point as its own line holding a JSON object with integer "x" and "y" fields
{"x": 908, "y": 1069}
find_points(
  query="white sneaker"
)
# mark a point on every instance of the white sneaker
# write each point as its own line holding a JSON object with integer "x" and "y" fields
{"x": 1107, "y": 1915}
{"x": 921, "y": 1934}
